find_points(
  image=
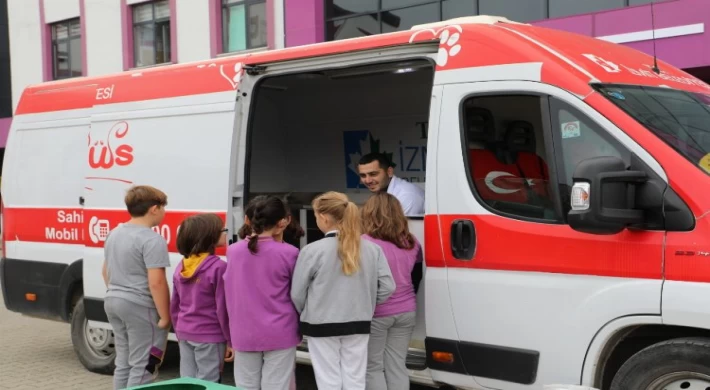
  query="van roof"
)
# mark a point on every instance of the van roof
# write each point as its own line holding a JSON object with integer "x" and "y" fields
{"x": 568, "y": 60}
{"x": 478, "y": 19}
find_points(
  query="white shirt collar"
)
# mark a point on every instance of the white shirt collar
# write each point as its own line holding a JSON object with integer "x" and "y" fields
{"x": 393, "y": 184}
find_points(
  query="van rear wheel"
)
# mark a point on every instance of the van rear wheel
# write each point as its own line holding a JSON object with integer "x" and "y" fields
{"x": 670, "y": 365}
{"x": 93, "y": 346}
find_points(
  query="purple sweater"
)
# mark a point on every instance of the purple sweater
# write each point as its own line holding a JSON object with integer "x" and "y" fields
{"x": 401, "y": 262}
{"x": 258, "y": 288}
{"x": 198, "y": 309}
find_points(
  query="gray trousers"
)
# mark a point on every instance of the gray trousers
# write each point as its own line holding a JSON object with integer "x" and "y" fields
{"x": 270, "y": 370}
{"x": 387, "y": 352}
{"x": 202, "y": 360}
{"x": 140, "y": 344}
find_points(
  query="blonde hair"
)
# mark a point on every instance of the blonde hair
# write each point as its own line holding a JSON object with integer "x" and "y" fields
{"x": 383, "y": 218}
{"x": 347, "y": 219}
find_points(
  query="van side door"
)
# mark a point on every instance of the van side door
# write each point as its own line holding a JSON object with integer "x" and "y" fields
{"x": 529, "y": 293}
{"x": 178, "y": 145}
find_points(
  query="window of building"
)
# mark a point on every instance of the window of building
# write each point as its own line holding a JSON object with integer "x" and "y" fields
{"x": 638, "y": 2}
{"x": 66, "y": 49}
{"x": 580, "y": 138}
{"x": 151, "y": 33}
{"x": 559, "y": 8}
{"x": 346, "y": 19}
{"x": 243, "y": 25}
{"x": 506, "y": 155}
{"x": 519, "y": 11}
{"x": 357, "y": 18}
{"x": 405, "y": 18}
{"x": 456, "y": 8}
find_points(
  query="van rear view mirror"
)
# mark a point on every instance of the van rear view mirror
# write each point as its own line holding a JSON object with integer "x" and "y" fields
{"x": 604, "y": 196}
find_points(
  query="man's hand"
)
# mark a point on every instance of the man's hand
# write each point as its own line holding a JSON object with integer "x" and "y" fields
{"x": 229, "y": 354}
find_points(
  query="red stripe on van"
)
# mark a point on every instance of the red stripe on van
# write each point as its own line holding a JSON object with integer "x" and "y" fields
{"x": 511, "y": 245}
{"x": 55, "y": 225}
{"x": 464, "y": 46}
{"x": 216, "y": 75}
{"x": 82, "y": 226}
{"x": 433, "y": 254}
{"x": 127, "y": 88}
{"x": 688, "y": 254}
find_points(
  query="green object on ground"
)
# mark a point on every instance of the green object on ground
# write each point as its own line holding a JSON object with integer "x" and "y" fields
{"x": 184, "y": 384}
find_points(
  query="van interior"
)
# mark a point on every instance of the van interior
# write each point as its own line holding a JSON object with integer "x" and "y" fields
{"x": 308, "y": 131}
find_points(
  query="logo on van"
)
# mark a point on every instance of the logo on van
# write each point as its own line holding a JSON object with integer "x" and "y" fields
{"x": 604, "y": 64}
{"x": 102, "y": 155}
{"x": 449, "y": 42}
{"x": 235, "y": 74}
{"x": 98, "y": 229}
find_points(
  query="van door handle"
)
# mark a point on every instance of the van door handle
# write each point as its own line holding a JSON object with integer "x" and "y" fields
{"x": 463, "y": 239}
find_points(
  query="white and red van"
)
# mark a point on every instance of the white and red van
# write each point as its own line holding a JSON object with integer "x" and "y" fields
{"x": 566, "y": 232}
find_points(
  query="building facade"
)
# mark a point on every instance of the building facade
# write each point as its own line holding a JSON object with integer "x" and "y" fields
{"x": 57, "y": 39}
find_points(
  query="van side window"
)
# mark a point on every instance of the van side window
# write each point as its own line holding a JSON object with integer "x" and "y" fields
{"x": 506, "y": 155}
{"x": 579, "y": 138}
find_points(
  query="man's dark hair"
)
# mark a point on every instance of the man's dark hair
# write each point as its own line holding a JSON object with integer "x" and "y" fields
{"x": 384, "y": 162}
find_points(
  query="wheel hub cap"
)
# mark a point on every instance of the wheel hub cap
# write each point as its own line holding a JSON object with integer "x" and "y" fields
{"x": 99, "y": 340}
{"x": 681, "y": 381}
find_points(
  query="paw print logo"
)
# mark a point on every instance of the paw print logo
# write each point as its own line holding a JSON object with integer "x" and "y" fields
{"x": 234, "y": 79}
{"x": 449, "y": 46}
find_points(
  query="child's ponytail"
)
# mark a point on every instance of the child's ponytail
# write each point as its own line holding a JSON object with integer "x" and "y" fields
{"x": 347, "y": 219}
{"x": 267, "y": 214}
{"x": 349, "y": 239}
{"x": 245, "y": 231}
{"x": 253, "y": 244}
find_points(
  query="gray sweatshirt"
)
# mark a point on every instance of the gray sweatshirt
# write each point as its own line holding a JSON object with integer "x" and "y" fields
{"x": 331, "y": 303}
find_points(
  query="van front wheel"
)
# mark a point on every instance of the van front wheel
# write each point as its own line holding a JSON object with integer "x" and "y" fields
{"x": 93, "y": 346}
{"x": 669, "y": 365}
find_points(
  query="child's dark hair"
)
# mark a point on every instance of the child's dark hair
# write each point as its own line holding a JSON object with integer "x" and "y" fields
{"x": 245, "y": 231}
{"x": 267, "y": 214}
{"x": 199, "y": 234}
{"x": 293, "y": 233}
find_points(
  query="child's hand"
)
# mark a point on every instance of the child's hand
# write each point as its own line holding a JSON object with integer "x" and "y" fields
{"x": 229, "y": 355}
{"x": 164, "y": 323}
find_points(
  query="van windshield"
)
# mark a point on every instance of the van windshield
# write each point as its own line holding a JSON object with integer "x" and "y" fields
{"x": 680, "y": 118}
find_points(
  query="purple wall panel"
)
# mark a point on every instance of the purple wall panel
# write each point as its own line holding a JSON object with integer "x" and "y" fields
{"x": 687, "y": 51}
{"x": 305, "y": 22}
